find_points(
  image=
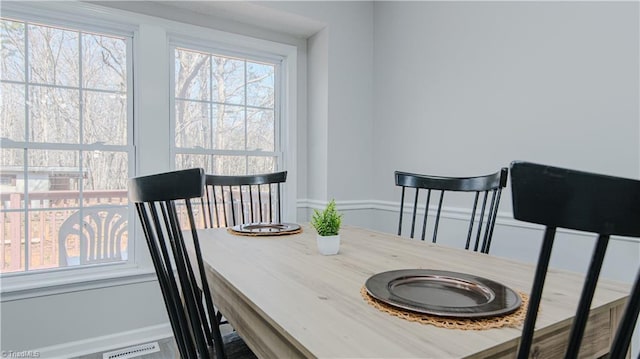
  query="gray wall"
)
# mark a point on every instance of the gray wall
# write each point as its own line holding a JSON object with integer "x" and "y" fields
{"x": 58, "y": 320}
{"x": 466, "y": 87}
{"x": 340, "y": 87}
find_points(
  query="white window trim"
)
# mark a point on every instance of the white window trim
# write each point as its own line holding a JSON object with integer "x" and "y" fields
{"x": 146, "y": 111}
{"x": 214, "y": 41}
{"x": 18, "y": 285}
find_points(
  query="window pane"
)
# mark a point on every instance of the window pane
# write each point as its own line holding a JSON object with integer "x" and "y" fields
{"x": 12, "y": 50}
{"x": 229, "y": 165}
{"x": 105, "y": 118}
{"x": 53, "y": 56}
{"x": 93, "y": 235}
{"x": 54, "y": 114}
{"x": 228, "y": 80}
{"x": 105, "y": 178}
{"x": 53, "y": 178}
{"x": 43, "y": 239}
{"x": 104, "y": 62}
{"x": 260, "y": 84}
{"x": 184, "y": 161}
{"x": 228, "y": 127}
{"x": 193, "y": 125}
{"x": 260, "y": 130}
{"x": 192, "y": 75}
{"x": 261, "y": 164}
{"x": 238, "y": 118}
{"x": 12, "y": 235}
{"x": 68, "y": 229}
{"x": 12, "y": 111}
{"x": 12, "y": 178}
{"x": 11, "y": 160}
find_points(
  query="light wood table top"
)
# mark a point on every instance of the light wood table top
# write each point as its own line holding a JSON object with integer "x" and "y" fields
{"x": 288, "y": 301}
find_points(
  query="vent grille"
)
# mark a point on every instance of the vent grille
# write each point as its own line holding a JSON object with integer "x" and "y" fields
{"x": 132, "y": 352}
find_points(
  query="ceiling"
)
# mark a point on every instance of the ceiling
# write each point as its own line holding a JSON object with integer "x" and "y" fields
{"x": 243, "y": 12}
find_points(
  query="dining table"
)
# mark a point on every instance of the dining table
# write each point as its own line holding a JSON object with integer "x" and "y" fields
{"x": 286, "y": 300}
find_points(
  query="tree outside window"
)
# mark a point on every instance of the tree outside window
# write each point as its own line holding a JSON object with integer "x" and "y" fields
{"x": 225, "y": 113}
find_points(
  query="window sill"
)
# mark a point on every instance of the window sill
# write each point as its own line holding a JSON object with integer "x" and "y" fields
{"x": 32, "y": 285}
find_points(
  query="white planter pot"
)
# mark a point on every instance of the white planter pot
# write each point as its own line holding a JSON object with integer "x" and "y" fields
{"x": 328, "y": 245}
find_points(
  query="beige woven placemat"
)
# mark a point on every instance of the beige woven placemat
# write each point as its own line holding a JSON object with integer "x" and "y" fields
{"x": 264, "y": 234}
{"x": 510, "y": 320}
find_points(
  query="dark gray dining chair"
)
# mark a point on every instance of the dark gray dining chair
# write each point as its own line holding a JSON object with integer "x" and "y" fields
{"x": 483, "y": 215}
{"x": 232, "y": 200}
{"x": 603, "y": 205}
{"x": 189, "y": 306}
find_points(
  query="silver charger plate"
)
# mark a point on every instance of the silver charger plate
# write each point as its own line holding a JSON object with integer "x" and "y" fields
{"x": 266, "y": 229}
{"x": 443, "y": 293}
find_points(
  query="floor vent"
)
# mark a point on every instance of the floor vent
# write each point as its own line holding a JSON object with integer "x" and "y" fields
{"x": 133, "y": 352}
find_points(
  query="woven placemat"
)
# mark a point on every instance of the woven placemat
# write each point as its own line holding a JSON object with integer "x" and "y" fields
{"x": 510, "y": 320}
{"x": 264, "y": 234}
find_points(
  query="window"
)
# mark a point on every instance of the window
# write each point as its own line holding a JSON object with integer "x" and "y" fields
{"x": 67, "y": 148}
{"x": 67, "y": 139}
{"x": 226, "y": 116}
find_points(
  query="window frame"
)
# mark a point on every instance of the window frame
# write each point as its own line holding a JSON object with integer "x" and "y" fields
{"x": 212, "y": 49}
{"x": 77, "y": 148}
{"x": 233, "y": 45}
{"x": 38, "y": 282}
{"x": 150, "y": 156}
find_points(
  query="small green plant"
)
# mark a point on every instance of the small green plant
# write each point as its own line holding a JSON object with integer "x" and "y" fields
{"x": 327, "y": 222}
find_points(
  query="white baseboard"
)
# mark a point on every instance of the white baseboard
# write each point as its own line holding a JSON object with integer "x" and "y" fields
{"x": 106, "y": 343}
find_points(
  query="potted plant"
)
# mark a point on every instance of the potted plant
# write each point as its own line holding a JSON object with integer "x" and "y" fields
{"x": 327, "y": 224}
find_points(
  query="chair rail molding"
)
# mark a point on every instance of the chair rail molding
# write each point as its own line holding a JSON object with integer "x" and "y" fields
{"x": 504, "y": 218}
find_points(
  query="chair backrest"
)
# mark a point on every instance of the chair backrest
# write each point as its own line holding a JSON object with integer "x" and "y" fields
{"x": 192, "y": 315}
{"x": 100, "y": 232}
{"x": 484, "y": 214}
{"x": 562, "y": 198}
{"x": 232, "y": 200}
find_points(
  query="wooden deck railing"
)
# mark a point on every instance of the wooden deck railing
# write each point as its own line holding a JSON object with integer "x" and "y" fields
{"x": 47, "y": 212}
